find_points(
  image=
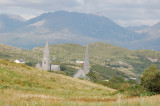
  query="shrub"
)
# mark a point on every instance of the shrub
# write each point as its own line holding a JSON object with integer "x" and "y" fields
{"x": 156, "y": 83}
{"x": 150, "y": 79}
{"x": 136, "y": 90}
{"x": 94, "y": 77}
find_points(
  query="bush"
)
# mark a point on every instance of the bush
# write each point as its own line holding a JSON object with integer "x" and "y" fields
{"x": 150, "y": 79}
{"x": 117, "y": 79}
{"x": 131, "y": 81}
{"x": 136, "y": 90}
{"x": 94, "y": 77}
{"x": 32, "y": 64}
{"x": 156, "y": 83}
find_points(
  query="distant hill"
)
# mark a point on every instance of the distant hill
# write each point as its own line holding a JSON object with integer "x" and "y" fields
{"x": 9, "y": 23}
{"x": 117, "y": 58}
{"x": 67, "y": 27}
{"x": 136, "y": 28}
{"x": 152, "y": 40}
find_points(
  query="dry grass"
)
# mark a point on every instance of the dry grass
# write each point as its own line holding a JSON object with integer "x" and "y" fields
{"x": 23, "y": 85}
{"x": 23, "y": 78}
{"x": 14, "y": 97}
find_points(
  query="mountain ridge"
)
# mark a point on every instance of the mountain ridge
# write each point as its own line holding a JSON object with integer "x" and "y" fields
{"x": 61, "y": 25}
{"x": 73, "y": 27}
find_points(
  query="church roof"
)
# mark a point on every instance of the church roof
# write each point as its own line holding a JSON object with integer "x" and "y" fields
{"x": 55, "y": 67}
{"x": 79, "y": 74}
{"x": 82, "y": 72}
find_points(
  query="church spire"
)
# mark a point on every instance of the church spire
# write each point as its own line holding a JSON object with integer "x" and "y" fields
{"x": 46, "y": 59}
{"x": 82, "y": 72}
{"x": 86, "y": 64}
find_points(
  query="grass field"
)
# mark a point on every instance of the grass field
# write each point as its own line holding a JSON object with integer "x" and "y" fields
{"x": 27, "y": 86}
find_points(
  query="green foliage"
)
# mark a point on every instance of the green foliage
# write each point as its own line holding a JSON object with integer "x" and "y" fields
{"x": 136, "y": 90}
{"x": 131, "y": 81}
{"x": 69, "y": 71}
{"x": 150, "y": 79}
{"x": 117, "y": 80}
{"x": 156, "y": 83}
{"x": 94, "y": 77}
{"x": 107, "y": 72}
{"x": 32, "y": 64}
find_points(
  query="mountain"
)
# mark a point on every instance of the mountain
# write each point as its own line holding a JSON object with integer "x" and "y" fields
{"x": 9, "y": 23}
{"x": 82, "y": 24}
{"x": 73, "y": 27}
{"x": 136, "y": 28}
{"x": 68, "y": 27}
{"x": 153, "y": 30}
{"x": 152, "y": 39}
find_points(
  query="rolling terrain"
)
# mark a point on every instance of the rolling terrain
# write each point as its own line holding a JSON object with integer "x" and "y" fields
{"x": 24, "y": 85}
{"x": 131, "y": 62}
{"x": 17, "y": 79}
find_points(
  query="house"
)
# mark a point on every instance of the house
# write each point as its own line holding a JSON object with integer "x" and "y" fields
{"x": 79, "y": 62}
{"x": 55, "y": 68}
{"x": 20, "y": 61}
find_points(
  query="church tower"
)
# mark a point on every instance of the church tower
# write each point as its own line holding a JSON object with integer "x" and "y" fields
{"x": 85, "y": 70}
{"x": 46, "y": 59}
{"x": 86, "y": 64}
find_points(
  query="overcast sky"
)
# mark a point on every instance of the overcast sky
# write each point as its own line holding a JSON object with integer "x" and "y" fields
{"x": 123, "y": 12}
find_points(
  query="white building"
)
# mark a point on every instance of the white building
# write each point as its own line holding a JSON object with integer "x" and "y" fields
{"x": 20, "y": 61}
{"x": 79, "y": 61}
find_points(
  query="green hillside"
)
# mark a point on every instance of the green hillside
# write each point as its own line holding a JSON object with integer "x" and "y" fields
{"x": 23, "y": 85}
{"x": 131, "y": 62}
{"x": 20, "y": 77}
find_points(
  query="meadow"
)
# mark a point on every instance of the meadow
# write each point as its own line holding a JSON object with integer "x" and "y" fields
{"x": 24, "y": 85}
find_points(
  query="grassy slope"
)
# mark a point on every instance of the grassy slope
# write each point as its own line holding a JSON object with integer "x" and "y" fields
{"x": 100, "y": 53}
{"x": 24, "y": 78}
{"x": 23, "y": 85}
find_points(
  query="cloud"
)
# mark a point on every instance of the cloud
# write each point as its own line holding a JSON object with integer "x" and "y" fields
{"x": 4, "y": 2}
{"x": 117, "y": 10}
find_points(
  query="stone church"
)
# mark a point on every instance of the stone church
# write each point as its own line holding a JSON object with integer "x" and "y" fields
{"x": 46, "y": 65}
{"x": 81, "y": 73}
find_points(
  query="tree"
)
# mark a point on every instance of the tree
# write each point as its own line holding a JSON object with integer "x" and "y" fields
{"x": 156, "y": 83}
{"x": 94, "y": 77}
{"x": 117, "y": 79}
{"x": 149, "y": 77}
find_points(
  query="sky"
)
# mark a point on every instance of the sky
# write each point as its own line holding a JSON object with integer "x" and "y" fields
{"x": 123, "y": 12}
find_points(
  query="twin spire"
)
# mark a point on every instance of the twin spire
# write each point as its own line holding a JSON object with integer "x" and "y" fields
{"x": 46, "y": 65}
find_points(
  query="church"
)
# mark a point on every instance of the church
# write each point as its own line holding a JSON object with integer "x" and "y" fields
{"x": 46, "y": 65}
{"x": 81, "y": 73}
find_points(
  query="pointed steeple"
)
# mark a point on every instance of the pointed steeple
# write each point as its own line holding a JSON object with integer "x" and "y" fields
{"x": 86, "y": 64}
{"x": 46, "y": 59}
{"x": 82, "y": 72}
